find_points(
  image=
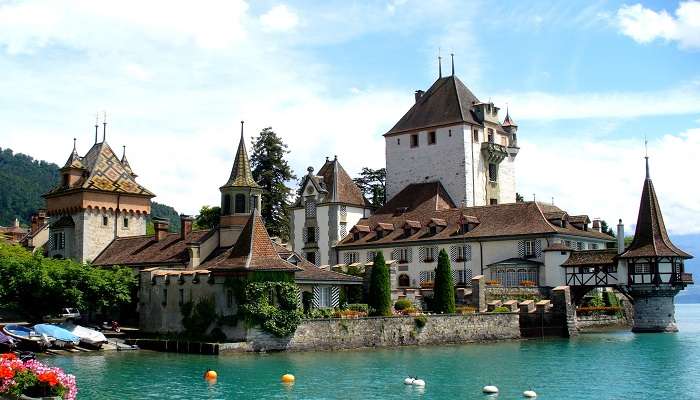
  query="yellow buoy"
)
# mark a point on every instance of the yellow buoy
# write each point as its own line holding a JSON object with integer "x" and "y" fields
{"x": 288, "y": 378}
{"x": 210, "y": 375}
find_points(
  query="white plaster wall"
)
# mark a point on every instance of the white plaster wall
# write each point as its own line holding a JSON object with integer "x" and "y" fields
{"x": 95, "y": 235}
{"x": 323, "y": 234}
{"x": 506, "y": 181}
{"x": 299, "y": 219}
{"x": 443, "y": 161}
{"x": 354, "y": 215}
{"x": 554, "y": 273}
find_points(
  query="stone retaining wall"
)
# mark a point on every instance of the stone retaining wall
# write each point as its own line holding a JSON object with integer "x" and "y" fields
{"x": 336, "y": 334}
{"x": 507, "y": 293}
{"x": 600, "y": 321}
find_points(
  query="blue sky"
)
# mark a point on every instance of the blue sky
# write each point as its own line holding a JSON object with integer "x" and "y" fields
{"x": 586, "y": 81}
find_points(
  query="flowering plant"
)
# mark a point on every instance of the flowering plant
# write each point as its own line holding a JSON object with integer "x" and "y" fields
{"x": 32, "y": 378}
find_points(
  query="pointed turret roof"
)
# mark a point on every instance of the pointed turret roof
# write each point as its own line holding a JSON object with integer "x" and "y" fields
{"x": 105, "y": 173}
{"x": 650, "y": 236}
{"x": 508, "y": 121}
{"x": 253, "y": 250}
{"x": 448, "y": 101}
{"x": 241, "y": 174}
{"x": 340, "y": 187}
{"x": 125, "y": 162}
{"x": 74, "y": 160}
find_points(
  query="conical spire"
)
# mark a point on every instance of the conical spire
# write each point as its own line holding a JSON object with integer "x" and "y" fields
{"x": 650, "y": 236}
{"x": 241, "y": 175}
{"x": 74, "y": 160}
{"x": 508, "y": 121}
{"x": 125, "y": 162}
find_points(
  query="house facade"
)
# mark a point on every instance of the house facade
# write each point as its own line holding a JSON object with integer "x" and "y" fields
{"x": 328, "y": 205}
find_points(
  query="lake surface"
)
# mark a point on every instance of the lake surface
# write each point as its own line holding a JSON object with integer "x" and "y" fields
{"x": 611, "y": 365}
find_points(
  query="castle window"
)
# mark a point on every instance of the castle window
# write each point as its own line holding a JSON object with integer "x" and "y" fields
{"x": 398, "y": 141}
{"x": 404, "y": 255}
{"x": 310, "y": 209}
{"x": 493, "y": 202}
{"x": 343, "y": 229}
{"x": 351, "y": 257}
{"x": 414, "y": 140}
{"x": 126, "y": 222}
{"x": 65, "y": 179}
{"x": 310, "y": 234}
{"x": 432, "y": 137}
{"x": 227, "y": 204}
{"x": 254, "y": 201}
{"x": 493, "y": 172}
{"x": 476, "y": 135}
{"x": 240, "y": 203}
{"x": 404, "y": 280}
{"x": 449, "y": 133}
{"x": 105, "y": 220}
{"x": 490, "y": 135}
{"x": 594, "y": 246}
{"x": 529, "y": 246}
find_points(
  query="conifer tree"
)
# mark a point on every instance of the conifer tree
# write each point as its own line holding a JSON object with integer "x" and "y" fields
{"x": 271, "y": 171}
{"x": 379, "y": 296}
{"x": 444, "y": 290}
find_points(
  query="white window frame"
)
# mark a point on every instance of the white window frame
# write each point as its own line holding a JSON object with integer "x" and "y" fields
{"x": 529, "y": 248}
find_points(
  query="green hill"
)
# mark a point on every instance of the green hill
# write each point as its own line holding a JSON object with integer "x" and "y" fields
{"x": 23, "y": 180}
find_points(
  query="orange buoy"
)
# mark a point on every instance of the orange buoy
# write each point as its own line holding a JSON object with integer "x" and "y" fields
{"x": 210, "y": 375}
{"x": 288, "y": 378}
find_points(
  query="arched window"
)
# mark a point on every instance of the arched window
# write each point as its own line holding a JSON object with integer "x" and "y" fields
{"x": 240, "y": 203}
{"x": 227, "y": 204}
{"x": 404, "y": 280}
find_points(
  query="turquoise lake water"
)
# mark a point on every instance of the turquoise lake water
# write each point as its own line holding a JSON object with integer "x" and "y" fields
{"x": 611, "y": 365}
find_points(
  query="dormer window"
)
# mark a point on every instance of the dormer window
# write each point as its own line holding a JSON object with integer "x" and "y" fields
{"x": 464, "y": 228}
{"x": 65, "y": 179}
{"x": 407, "y": 232}
{"x": 383, "y": 229}
{"x": 380, "y": 234}
{"x": 433, "y": 229}
{"x": 359, "y": 231}
{"x": 356, "y": 236}
{"x": 436, "y": 225}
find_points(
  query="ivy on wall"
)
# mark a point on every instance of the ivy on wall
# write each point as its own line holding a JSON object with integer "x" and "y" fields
{"x": 274, "y": 306}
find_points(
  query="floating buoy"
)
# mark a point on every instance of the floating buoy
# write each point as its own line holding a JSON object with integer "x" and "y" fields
{"x": 408, "y": 381}
{"x": 490, "y": 389}
{"x": 210, "y": 375}
{"x": 288, "y": 378}
{"x": 418, "y": 382}
{"x": 529, "y": 394}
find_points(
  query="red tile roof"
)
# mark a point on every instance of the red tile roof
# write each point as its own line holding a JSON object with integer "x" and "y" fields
{"x": 336, "y": 184}
{"x": 145, "y": 250}
{"x": 254, "y": 250}
{"x": 591, "y": 258}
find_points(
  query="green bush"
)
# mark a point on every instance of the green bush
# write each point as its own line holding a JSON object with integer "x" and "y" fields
{"x": 258, "y": 308}
{"x": 379, "y": 288}
{"x": 321, "y": 313}
{"x": 420, "y": 321}
{"x": 501, "y": 309}
{"x": 403, "y": 304}
{"x": 357, "y": 307}
{"x": 444, "y": 291}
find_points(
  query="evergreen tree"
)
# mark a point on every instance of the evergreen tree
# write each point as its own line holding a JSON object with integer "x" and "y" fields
{"x": 379, "y": 296}
{"x": 444, "y": 291}
{"x": 372, "y": 182}
{"x": 606, "y": 229}
{"x": 271, "y": 172}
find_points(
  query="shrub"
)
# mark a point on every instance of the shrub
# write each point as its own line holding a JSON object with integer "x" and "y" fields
{"x": 599, "y": 310}
{"x": 466, "y": 310}
{"x": 402, "y": 304}
{"x": 321, "y": 313}
{"x": 501, "y": 309}
{"x": 349, "y": 314}
{"x": 357, "y": 307}
{"x": 258, "y": 308}
{"x": 420, "y": 321}
{"x": 379, "y": 288}
{"x": 444, "y": 292}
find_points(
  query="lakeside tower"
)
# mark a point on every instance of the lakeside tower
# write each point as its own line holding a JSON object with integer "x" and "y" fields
{"x": 96, "y": 201}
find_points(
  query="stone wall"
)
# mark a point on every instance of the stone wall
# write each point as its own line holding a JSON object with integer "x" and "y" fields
{"x": 654, "y": 313}
{"x": 338, "y": 334}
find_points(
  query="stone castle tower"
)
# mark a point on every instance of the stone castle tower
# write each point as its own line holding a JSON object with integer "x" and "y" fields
{"x": 96, "y": 200}
{"x": 240, "y": 197}
{"x": 450, "y": 136}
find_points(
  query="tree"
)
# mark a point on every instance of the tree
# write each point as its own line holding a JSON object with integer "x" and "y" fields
{"x": 444, "y": 290}
{"x": 271, "y": 171}
{"x": 379, "y": 296}
{"x": 208, "y": 217}
{"x": 372, "y": 182}
{"x": 606, "y": 229}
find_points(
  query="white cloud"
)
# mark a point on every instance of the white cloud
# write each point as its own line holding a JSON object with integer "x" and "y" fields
{"x": 279, "y": 19}
{"x": 554, "y": 106}
{"x": 137, "y": 71}
{"x": 645, "y": 25}
{"x": 603, "y": 178}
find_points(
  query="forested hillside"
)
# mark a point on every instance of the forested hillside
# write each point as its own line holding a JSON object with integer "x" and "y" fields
{"x": 23, "y": 180}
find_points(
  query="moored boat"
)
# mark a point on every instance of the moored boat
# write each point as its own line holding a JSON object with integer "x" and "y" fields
{"x": 7, "y": 343}
{"x": 27, "y": 338}
{"x": 63, "y": 337}
{"x": 88, "y": 337}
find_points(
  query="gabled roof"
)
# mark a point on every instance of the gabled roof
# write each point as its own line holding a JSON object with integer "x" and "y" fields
{"x": 341, "y": 188}
{"x": 448, "y": 101}
{"x": 105, "y": 172}
{"x": 74, "y": 160}
{"x": 418, "y": 197}
{"x": 241, "y": 174}
{"x": 650, "y": 236}
{"x": 145, "y": 250}
{"x": 254, "y": 250}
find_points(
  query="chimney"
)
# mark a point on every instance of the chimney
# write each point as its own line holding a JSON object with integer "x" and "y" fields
{"x": 185, "y": 226}
{"x": 620, "y": 237}
{"x": 596, "y": 225}
{"x": 419, "y": 94}
{"x": 160, "y": 225}
{"x": 38, "y": 220}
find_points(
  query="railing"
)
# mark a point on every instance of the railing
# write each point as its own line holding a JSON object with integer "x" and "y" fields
{"x": 687, "y": 277}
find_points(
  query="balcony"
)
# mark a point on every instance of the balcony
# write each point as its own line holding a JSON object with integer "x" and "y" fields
{"x": 687, "y": 278}
{"x": 494, "y": 153}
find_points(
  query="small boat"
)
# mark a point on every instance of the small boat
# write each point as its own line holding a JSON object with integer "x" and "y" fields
{"x": 62, "y": 336}
{"x": 88, "y": 337}
{"x": 7, "y": 343}
{"x": 27, "y": 338}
